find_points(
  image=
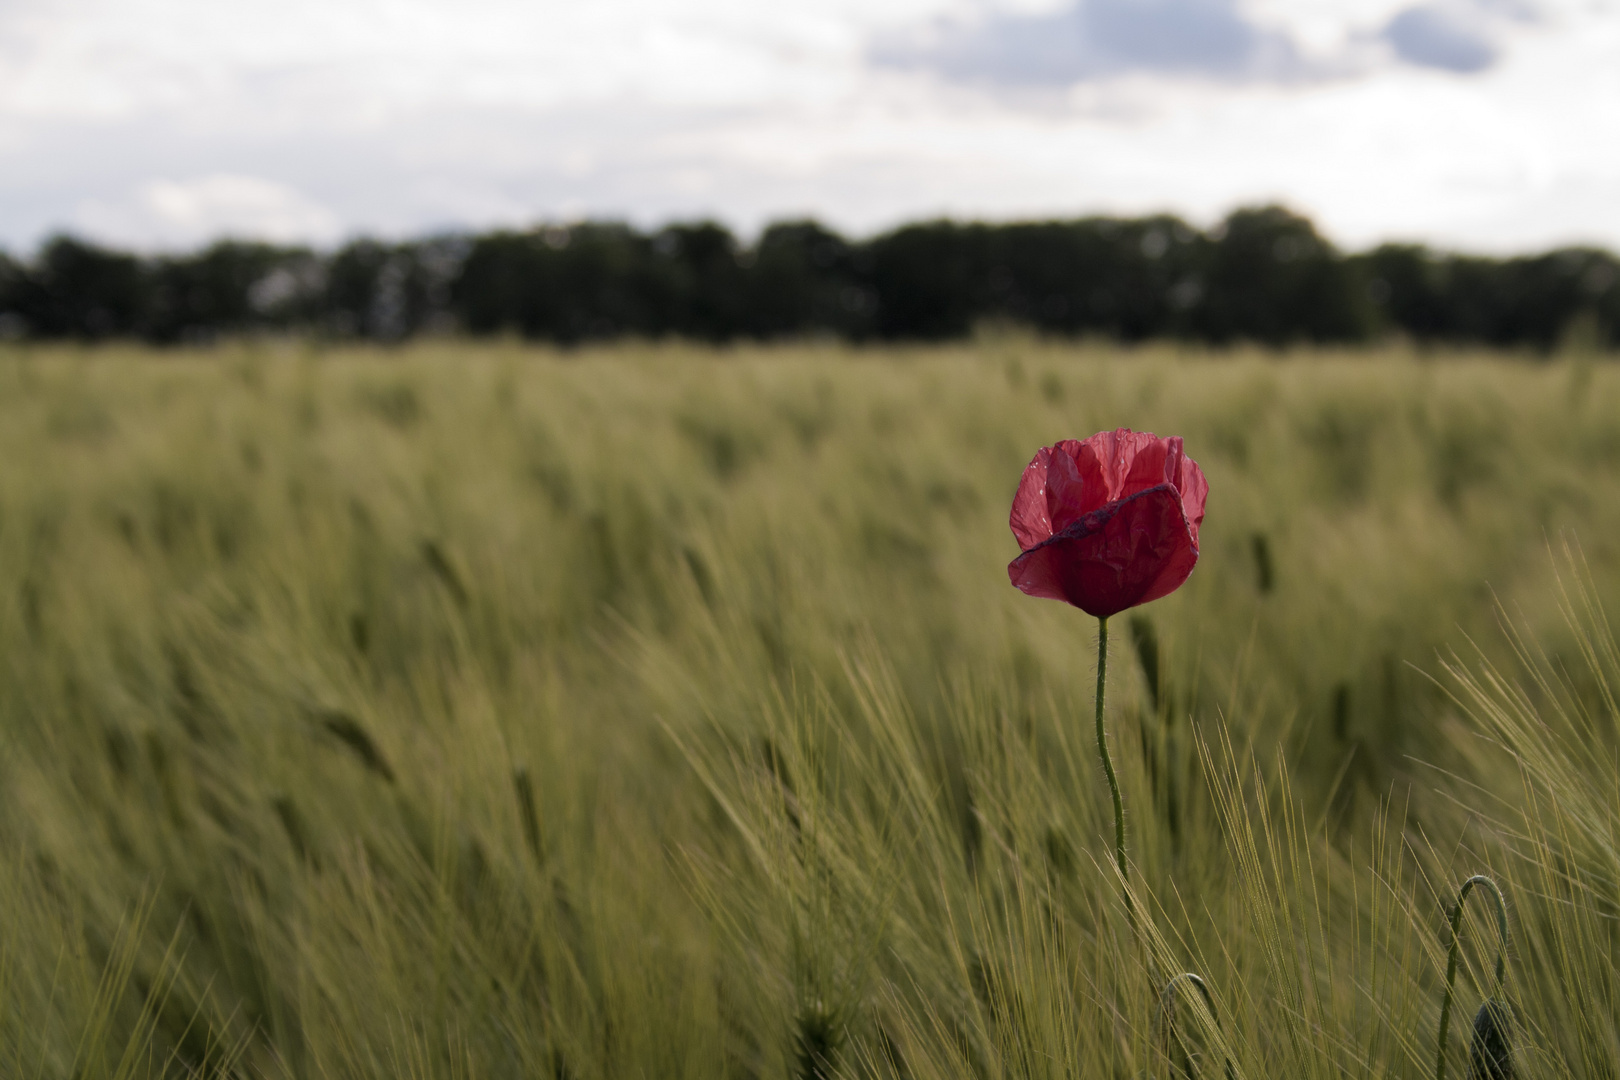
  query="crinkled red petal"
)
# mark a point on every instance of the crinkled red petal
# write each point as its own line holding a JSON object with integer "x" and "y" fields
{"x": 1126, "y": 553}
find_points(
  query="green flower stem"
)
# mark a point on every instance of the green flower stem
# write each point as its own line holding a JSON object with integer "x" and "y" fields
{"x": 1455, "y": 952}
{"x": 1102, "y": 751}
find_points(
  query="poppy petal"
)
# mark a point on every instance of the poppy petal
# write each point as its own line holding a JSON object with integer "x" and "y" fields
{"x": 1067, "y": 493}
{"x": 1194, "y": 491}
{"x": 1152, "y": 462}
{"x": 1094, "y": 457}
{"x": 1127, "y": 553}
{"x": 1030, "y": 521}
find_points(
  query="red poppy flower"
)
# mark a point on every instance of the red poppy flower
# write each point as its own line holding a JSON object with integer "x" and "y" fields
{"x": 1108, "y": 522}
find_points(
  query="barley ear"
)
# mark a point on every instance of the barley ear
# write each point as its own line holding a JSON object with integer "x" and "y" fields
{"x": 1164, "y": 1018}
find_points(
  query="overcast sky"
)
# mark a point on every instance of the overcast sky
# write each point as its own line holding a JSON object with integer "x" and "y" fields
{"x": 1490, "y": 125}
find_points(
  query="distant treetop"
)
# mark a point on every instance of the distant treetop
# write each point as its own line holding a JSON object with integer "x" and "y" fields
{"x": 1263, "y": 275}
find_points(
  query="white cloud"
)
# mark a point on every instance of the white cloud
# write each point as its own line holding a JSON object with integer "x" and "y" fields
{"x": 189, "y": 212}
{"x": 166, "y": 122}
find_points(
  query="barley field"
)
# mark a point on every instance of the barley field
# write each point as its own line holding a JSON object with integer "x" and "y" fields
{"x": 473, "y": 710}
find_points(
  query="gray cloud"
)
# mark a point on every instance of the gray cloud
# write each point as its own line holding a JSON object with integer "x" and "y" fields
{"x": 1450, "y": 37}
{"x": 1098, "y": 38}
{"x": 1211, "y": 39}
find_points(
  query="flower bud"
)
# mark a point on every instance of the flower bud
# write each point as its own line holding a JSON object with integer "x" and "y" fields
{"x": 1490, "y": 1051}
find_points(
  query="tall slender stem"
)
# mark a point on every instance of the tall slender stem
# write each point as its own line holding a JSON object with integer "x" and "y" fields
{"x": 1102, "y": 751}
{"x": 1456, "y": 949}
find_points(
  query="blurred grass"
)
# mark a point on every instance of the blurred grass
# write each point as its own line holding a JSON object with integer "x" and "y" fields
{"x": 466, "y": 711}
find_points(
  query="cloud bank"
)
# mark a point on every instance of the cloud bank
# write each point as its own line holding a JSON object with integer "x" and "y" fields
{"x": 1097, "y": 39}
{"x": 164, "y": 123}
{"x": 1214, "y": 40}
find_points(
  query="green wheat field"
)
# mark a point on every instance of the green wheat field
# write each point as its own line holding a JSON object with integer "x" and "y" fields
{"x": 476, "y": 711}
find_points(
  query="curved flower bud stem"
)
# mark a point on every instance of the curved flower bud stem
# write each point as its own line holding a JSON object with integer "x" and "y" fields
{"x": 1102, "y": 750}
{"x": 1166, "y": 1004}
{"x": 1455, "y": 952}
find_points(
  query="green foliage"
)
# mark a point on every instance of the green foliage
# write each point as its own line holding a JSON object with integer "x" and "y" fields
{"x": 484, "y": 712}
{"x": 1262, "y": 275}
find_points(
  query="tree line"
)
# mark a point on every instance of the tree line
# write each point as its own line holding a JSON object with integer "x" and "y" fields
{"x": 1263, "y": 275}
